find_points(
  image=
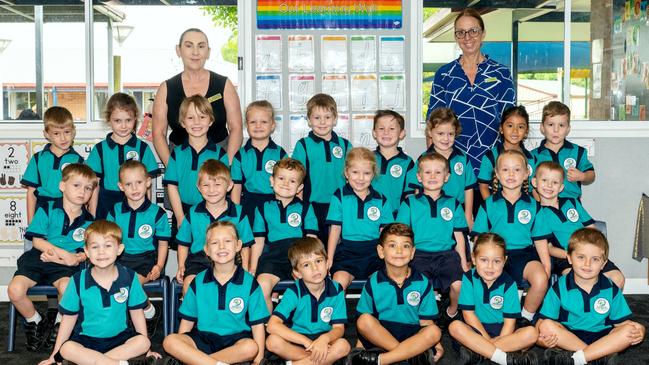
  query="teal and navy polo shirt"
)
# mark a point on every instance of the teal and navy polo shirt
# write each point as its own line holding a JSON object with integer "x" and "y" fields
{"x": 183, "y": 165}
{"x": 44, "y": 171}
{"x": 397, "y": 177}
{"x": 516, "y": 223}
{"x": 192, "y": 231}
{"x": 569, "y": 155}
{"x": 324, "y": 162}
{"x": 227, "y": 309}
{"x": 576, "y": 309}
{"x": 102, "y": 313}
{"x": 51, "y": 223}
{"x": 562, "y": 222}
{"x": 253, "y": 168}
{"x": 462, "y": 177}
{"x": 277, "y": 222}
{"x": 486, "y": 174}
{"x": 490, "y": 304}
{"x": 147, "y": 225}
{"x": 107, "y": 156}
{"x": 433, "y": 221}
{"x": 305, "y": 314}
{"x": 408, "y": 304}
{"x": 361, "y": 220}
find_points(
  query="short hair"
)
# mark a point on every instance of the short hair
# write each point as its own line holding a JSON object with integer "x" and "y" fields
{"x": 291, "y": 164}
{"x": 219, "y": 224}
{"x": 57, "y": 117}
{"x": 213, "y": 169}
{"x": 304, "y": 247}
{"x": 261, "y": 104}
{"x": 389, "y": 113}
{"x": 323, "y": 101}
{"x": 396, "y": 229}
{"x": 554, "y": 108}
{"x": 132, "y": 165}
{"x": 489, "y": 238}
{"x": 470, "y": 12}
{"x": 362, "y": 154}
{"x": 440, "y": 116}
{"x": 200, "y": 103}
{"x": 550, "y": 166}
{"x": 122, "y": 101}
{"x": 517, "y": 110}
{"x": 192, "y": 30}
{"x": 80, "y": 169}
{"x": 104, "y": 228}
{"x": 433, "y": 156}
{"x": 588, "y": 235}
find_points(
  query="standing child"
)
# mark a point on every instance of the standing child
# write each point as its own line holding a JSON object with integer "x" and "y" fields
{"x": 585, "y": 314}
{"x": 223, "y": 312}
{"x": 357, "y": 214}
{"x": 513, "y": 214}
{"x": 97, "y": 305}
{"x": 323, "y": 154}
{"x": 490, "y": 306}
{"x": 43, "y": 173}
{"x": 120, "y": 145}
{"x": 253, "y": 164}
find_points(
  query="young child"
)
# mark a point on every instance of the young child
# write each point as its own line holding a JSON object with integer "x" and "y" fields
{"x": 562, "y": 217}
{"x": 298, "y": 334}
{"x": 146, "y": 240}
{"x": 357, "y": 214}
{"x": 442, "y": 127}
{"x": 182, "y": 169}
{"x": 397, "y": 175}
{"x": 397, "y": 307}
{"x": 214, "y": 183}
{"x": 440, "y": 227}
{"x": 514, "y": 128}
{"x": 278, "y": 223}
{"x": 513, "y": 214}
{"x": 222, "y": 310}
{"x": 253, "y": 165}
{"x": 97, "y": 305}
{"x": 490, "y": 306}
{"x": 585, "y": 313}
{"x": 323, "y": 154}
{"x": 120, "y": 145}
{"x": 43, "y": 173}
{"x": 555, "y": 126}
{"x": 57, "y": 234}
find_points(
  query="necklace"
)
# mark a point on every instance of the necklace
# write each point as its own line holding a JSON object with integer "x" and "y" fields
{"x": 399, "y": 284}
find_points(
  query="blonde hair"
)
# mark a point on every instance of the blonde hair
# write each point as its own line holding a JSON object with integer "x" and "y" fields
{"x": 57, "y": 117}
{"x": 489, "y": 238}
{"x": 495, "y": 185}
{"x": 304, "y": 247}
{"x": 261, "y": 104}
{"x": 290, "y": 164}
{"x": 441, "y": 116}
{"x": 104, "y": 228}
{"x": 80, "y": 169}
{"x": 550, "y": 166}
{"x": 433, "y": 156}
{"x": 323, "y": 101}
{"x": 362, "y": 154}
{"x": 213, "y": 169}
{"x": 200, "y": 103}
{"x": 132, "y": 165}
{"x": 590, "y": 236}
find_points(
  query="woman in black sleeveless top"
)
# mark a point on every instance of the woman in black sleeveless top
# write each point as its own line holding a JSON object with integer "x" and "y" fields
{"x": 193, "y": 49}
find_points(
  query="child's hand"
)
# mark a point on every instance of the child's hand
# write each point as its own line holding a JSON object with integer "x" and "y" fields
{"x": 69, "y": 259}
{"x": 154, "y": 274}
{"x": 575, "y": 175}
{"x": 465, "y": 266}
{"x": 258, "y": 359}
{"x": 81, "y": 257}
{"x": 180, "y": 274}
{"x": 330, "y": 262}
{"x": 548, "y": 269}
{"x": 319, "y": 349}
{"x": 50, "y": 256}
{"x": 636, "y": 335}
{"x": 548, "y": 340}
{"x": 48, "y": 361}
{"x": 439, "y": 351}
{"x": 153, "y": 354}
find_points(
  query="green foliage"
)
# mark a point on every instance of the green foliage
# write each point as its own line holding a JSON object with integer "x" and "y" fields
{"x": 226, "y": 17}
{"x": 425, "y": 92}
{"x": 230, "y": 50}
{"x": 428, "y": 12}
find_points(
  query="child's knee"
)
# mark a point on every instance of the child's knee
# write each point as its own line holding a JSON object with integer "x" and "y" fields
{"x": 529, "y": 335}
{"x": 248, "y": 348}
{"x": 456, "y": 286}
{"x": 341, "y": 347}
{"x": 539, "y": 280}
{"x": 364, "y": 322}
{"x": 16, "y": 291}
{"x": 170, "y": 341}
{"x": 274, "y": 343}
{"x": 432, "y": 333}
{"x": 548, "y": 326}
{"x": 67, "y": 349}
{"x": 455, "y": 328}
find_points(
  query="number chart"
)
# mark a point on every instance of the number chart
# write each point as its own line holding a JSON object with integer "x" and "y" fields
{"x": 13, "y": 222}
{"x": 14, "y": 157}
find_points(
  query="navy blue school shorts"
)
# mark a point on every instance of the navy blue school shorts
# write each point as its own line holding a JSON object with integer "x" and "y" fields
{"x": 102, "y": 345}
{"x": 209, "y": 342}
{"x": 196, "y": 262}
{"x": 442, "y": 268}
{"x": 106, "y": 202}
{"x": 590, "y": 337}
{"x": 275, "y": 261}
{"x": 43, "y": 273}
{"x": 141, "y": 263}
{"x": 251, "y": 201}
{"x": 359, "y": 259}
{"x": 516, "y": 262}
{"x": 400, "y": 331}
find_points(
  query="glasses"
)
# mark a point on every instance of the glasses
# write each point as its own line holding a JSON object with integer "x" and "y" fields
{"x": 473, "y": 32}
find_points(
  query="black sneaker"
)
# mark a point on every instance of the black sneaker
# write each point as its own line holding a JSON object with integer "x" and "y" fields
{"x": 555, "y": 356}
{"x": 469, "y": 357}
{"x": 149, "y": 360}
{"x": 365, "y": 357}
{"x": 169, "y": 360}
{"x": 273, "y": 360}
{"x": 444, "y": 320}
{"x": 152, "y": 324}
{"x": 522, "y": 358}
{"x": 34, "y": 334}
{"x": 523, "y": 322}
{"x": 425, "y": 358}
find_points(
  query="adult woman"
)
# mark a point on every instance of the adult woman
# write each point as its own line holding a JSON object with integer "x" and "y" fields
{"x": 477, "y": 88}
{"x": 193, "y": 49}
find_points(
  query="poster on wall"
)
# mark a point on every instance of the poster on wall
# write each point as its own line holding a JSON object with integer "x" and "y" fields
{"x": 337, "y": 87}
{"x": 13, "y": 222}
{"x": 364, "y": 92}
{"x": 269, "y": 87}
{"x": 269, "y": 53}
{"x": 362, "y": 125}
{"x": 334, "y": 53}
{"x": 14, "y": 157}
{"x": 392, "y": 54}
{"x": 301, "y": 89}
{"x": 363, "y": 52}
{"x": 342, "y": 127}
{"x": 392, "y": 92}
{"x": 301, "y": 57}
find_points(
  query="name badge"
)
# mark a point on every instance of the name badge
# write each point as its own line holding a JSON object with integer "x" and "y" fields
{"x": 491, "y": 79}
{"x": 215, "y": 97}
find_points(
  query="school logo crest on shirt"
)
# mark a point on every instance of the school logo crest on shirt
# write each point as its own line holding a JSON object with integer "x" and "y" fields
{"x": 373, "y": 213}
{"x": 413, "y": 298}
{"x": 145, "y": 231}
{"x": 132, "y": 155}
{"x": 601, "y": 306}
{"x": 78, "y": 234}
{"x": 269, "y": 166}
{"x": 396, "y": 171}
{"x": 572, "y": 215}
{"x": 569, "y": 162}
{"x": 64, "y": 165}
{"x": 337, "y": 152}
{"x": 458, "y": 168}
{"x": 294, "y": 219}
{"x": 446, "y": 214}
{"x": 529, "y": 168}
{"x": 524, "y": 216}
{"x": 496, "y": 302}
{"x": 325, "y": 314}
{"x": 121, "y": 296}
{"x": 236, "y": 305}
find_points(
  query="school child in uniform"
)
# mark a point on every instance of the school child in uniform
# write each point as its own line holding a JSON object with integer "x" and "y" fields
{"x": 43, "y": 173}
{"x": 514, "y": 128}
{"x": 252, "y": 166}
{"x": 308, "y": 325}
{"x": 146, "y": 229}
{"x": 442, "y": 127}
{"x": 223, "y": 312}
{"x": 397, "y": 307}
{"x": 562, "y": 217}
{"x": 440, "y": 227}
{"x": 555, "y": 126}
{"x": 490, "y": 305}
{"x": 357, "y": 214}
{"x": 182, "y": 169}
{"x": 513, "y": 214}
{"x": 214, "y": 183}
{"x": 397, "y": 175}
{"x": 323, "y": 154}
{"x": 120, "y": 145}
{"x": 57, "y": 234}
{"x": 97, "y": 305}
{"x": 585, "y": 318}
{"x": 278, "y": 223}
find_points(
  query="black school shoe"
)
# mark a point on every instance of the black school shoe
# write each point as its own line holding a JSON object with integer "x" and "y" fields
{"x": 522, "y": 358}
{"x": 51, "y": 330}
{"x": 149, "y": 360}
{"x": 555, "y": 356}
{"x": 523, "y": 322}
{"x": 469, "y": 357}
{"x": 34, "y": 334}
{"x": 425, "y": 358}
{"x": 169, "y": 360}
{"x": 152, "y": 323}
{"x": 364, "y": 357}
{"x": 272, "y": 360}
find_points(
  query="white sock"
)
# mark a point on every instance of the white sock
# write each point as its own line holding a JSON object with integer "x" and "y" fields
{"x": 149, "y": 311}
{"x": 289, "y": 362}
{"x": 579, "y": 357}
{"x": 499, "y": 357}
{"x": 123, "y": 362}
{"x": 221, "y": 363}
{"x": 378, "y": 360}
{"x": 527, "y": 315}
{"x": 58, "y": 318}
{"x": 449, "y": 314}
{"x": 36, "y": 318}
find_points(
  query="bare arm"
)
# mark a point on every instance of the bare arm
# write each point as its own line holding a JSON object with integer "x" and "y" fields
{"x": 460, "y": 248}
{"x": 255, "y": 253}
{"x": 245, "y": 258}
{"x": 176, "y": 204}
{"x": 185, "y": 326}
{"x": 277, "y": 327}
{"x": 556, "y": 251}
{"x": 334, "y": 235}
{"x": 137, "y": 317}
{"x": 484, "y": 190}
{"x": 160, "y": 124}
{"x": 259, "y": 336}
{"x": 235, "y": 194}
{"x": 544, "y": 255}
{"x": 472, "y": 320}
{"x": 65, "y": 330}
{"x": 509, "y": 326}
{"x": 183, "y": 251}
{"x": 233, "y": 112}
{"x": 468, "y": 207}
{"x": 31, "y": 203}
{"x": 94, "y": 199}
{"x": 51, "y": 253}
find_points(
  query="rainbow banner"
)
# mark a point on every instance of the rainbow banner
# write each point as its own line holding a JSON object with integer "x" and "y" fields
{"x": 329, "y": 14}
